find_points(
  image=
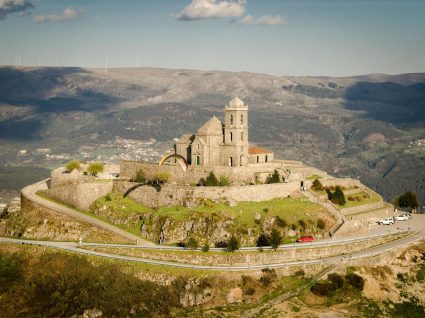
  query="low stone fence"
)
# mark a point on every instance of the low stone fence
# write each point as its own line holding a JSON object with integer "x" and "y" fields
{"x": 267, "y": 257}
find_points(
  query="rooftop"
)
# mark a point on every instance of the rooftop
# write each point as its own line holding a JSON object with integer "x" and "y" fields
{"x": 254, "y": 150}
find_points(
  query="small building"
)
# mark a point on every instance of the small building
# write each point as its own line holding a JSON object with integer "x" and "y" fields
{"x": 218, "y": 144}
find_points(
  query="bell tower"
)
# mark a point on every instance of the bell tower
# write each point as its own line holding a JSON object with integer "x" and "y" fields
{"x": 236, "y": 134}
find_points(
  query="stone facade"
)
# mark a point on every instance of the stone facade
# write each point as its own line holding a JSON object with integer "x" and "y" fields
{"x": 218, "y": 144}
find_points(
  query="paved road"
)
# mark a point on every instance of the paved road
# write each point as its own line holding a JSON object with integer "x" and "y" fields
{"x": 30, "y": 191}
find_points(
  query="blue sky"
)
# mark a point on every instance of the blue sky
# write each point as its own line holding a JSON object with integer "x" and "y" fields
{"x": 282, "y": 37}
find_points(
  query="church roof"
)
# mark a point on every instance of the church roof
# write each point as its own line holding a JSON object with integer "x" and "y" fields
{"x": 236, "y": 103}
{"x": 185, "y": 138}
{"x": 201, "y": 140}
{"x": 254, "y": 150}
{"x": 211, "y": 127}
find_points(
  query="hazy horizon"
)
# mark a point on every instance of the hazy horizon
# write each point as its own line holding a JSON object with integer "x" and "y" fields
{"x": 288, "y": 37}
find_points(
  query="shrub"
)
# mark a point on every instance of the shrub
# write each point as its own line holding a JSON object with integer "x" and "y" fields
{"x": 302, "y": 224}
{"x": 162, "y": 177}
{"x": 266, "y": 210}
{"x": 250, "y": 291}
{"x": 280, "y": 222}
{"x": 355, "y": 280}
{"x": 274, "y": 177}
{"x": 420, "y": 274}
{"x": 108, "y": 197}
{"x": 336, "y": 279}
{"x": 336, "y": 197}
{"x": 321, "y": 224}
{"x": 232, "y": 244}
{"x": 293, "y": 227}
{"x": 211, "y": 180}
{"x": 317, "y": 185}
{"x": 269, "y": 275}
{"x": 205, "y": 247}
{"x": 73, "y": 164}
{"x": 221, "y": 244}
{"x": 275, "y": 238}
{"x": 323, "y": 288}
{"x": 224, "y": 181}
{"x": 95, "y": 168}
{"x": 263, "y": 240}
{"x": 10, "y": 271}
{"x": 300, "y": 272}
{"x": 140, "y": 176}
{"x": 192, "y": 243}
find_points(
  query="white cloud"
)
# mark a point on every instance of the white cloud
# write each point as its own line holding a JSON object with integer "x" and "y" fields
{"x": 67, "y": 15}
{"x": 22, "y": 7}
{"x": 263, "y": 20}
{"x": 210, "y": 9}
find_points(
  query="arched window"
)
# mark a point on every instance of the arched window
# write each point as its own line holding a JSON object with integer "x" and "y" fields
{"x": 231, "y": 119}
{"x": 241, "y": 136}
{"x": 198, "y": 160}
{"x": 231, "y": 136}
{"x": 241, "y": 119}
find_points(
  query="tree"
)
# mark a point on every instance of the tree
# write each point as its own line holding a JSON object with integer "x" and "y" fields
{"x": 205, "y": 247}
{"x": 232, "y": 244}
{"x": 95, "y": 168}
{"x": 140, "y": 176}
{"x": 192, "y": 243}
{"x": 275, "y": 238}
{"x": 407, "y": 200}
{"x": 211, "y": 180}
{"x": 317, "y": 185}
{"x": 73, "y": 164}
{"x": 263, "y": 240}
{"x": 274, "y": 177}
{"x": 336, "y": 197}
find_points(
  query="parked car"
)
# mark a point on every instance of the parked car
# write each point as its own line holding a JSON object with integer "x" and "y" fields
{"x": 305, "y": 239}
{"x": 403, "y": 217}
{"x": 386, "y": 221}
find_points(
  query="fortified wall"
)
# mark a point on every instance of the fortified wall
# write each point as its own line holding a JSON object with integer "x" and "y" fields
{"x": 242, "y": 175}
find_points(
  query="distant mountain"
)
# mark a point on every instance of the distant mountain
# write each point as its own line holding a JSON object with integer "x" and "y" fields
{"x": 368, "y": 126}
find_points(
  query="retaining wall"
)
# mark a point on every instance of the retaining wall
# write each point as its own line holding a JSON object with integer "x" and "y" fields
{"x": 170, "y": 194}
{"x": 80, "y": 195}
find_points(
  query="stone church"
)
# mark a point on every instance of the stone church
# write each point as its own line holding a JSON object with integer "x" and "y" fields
{"x": 218, "y": 144}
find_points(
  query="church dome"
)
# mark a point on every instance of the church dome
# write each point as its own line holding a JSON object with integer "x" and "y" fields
{"x": 236, "y": 103}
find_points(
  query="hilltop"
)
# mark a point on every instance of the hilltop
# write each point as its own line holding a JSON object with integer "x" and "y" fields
{"x": 368, "y": 126}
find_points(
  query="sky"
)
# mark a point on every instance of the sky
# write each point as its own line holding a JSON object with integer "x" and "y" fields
{"x": 280, "y": 37}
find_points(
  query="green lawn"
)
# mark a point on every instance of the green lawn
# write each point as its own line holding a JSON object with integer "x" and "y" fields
{"x": 291, "y": 210}
{"x": 360, "y": 198}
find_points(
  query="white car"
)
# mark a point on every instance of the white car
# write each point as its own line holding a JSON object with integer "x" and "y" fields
{"x": 403, "y": 217}
{"x": 386, "y": 221}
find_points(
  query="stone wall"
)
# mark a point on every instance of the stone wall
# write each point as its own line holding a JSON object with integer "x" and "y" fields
{"x": 237, "y": 175}
{"x": 80, "y": 195}
{"x": 170, "y": 194}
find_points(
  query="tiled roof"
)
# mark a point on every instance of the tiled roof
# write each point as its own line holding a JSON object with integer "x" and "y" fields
{"x": 254, "y": 150}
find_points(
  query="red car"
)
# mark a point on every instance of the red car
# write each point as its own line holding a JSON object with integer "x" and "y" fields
{"x": 305, "y": 239}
